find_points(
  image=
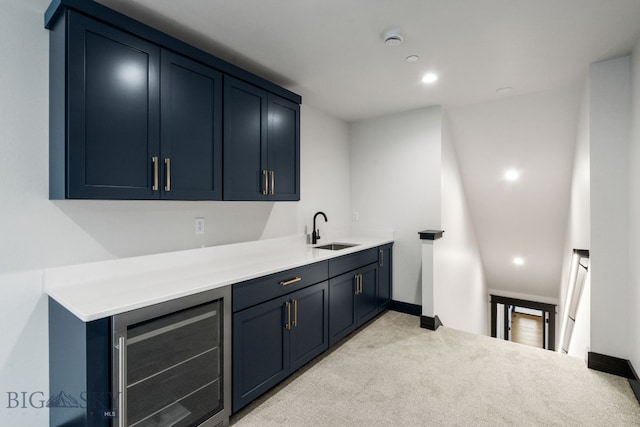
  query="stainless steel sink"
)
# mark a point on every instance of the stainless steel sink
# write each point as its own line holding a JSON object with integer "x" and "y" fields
{"x": 336, "y": 246}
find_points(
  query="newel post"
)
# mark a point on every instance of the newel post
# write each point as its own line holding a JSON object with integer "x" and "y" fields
{"x": 429, "y": 319}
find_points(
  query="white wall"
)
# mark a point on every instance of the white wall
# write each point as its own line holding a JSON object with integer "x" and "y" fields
{"x": 578, "y": 232}
{"x": 634, "y": 215}
{"x": 395, "y": 184}
{"x": 610, "y": 127}
{"x": 324, "y": 178}
{"x": 36, "y": 233}
{"x": 460, "y": 289}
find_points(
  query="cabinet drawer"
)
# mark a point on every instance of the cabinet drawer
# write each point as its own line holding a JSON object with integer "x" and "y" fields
{"x": 338, "y": 266}
{"x": 255, "y": 291}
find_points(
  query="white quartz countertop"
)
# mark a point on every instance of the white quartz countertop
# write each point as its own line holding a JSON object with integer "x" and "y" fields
{"x": 96, "y": 290}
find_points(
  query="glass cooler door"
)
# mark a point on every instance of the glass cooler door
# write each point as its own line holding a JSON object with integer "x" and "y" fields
{"x": 169, "y": 368}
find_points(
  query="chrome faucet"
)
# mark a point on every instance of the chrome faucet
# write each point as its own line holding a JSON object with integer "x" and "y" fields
{"x": 315, "y": 236}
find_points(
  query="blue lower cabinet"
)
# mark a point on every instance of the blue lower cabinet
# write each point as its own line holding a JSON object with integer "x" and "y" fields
{"x": 80, "y": 382}
{"x": 342, "y": 303}
{"x": 274, "y": 338}
{"x": 310, "y": 324}
{"x": 352, "y": 301}
{"x": 366, "y": 300}
{"x": 385, "y": 274}
{"x": 260, "y": 350}
{"x": 284, "y": 320}
{"x": 79, "y": 374}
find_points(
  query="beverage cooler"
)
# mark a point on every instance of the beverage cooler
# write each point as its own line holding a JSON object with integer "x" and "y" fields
{"x": 171, "y": 363}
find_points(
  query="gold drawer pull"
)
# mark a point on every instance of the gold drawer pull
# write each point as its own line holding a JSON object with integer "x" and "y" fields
{"x": 289, "y": 282}
{"x": 288, "y": 324}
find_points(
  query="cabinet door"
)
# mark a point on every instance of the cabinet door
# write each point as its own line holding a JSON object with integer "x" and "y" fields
{"x": 384, "y": 277}
{"x": 366, "y": 300}
{"x": 245, "y": 138}
{"x": 113, "y": 107}
{"x": 260, "y": 350}
{"x": 283, "y": 143}
{"x": 191, "y": 126}
{"x": 310, "y": 330}
{"x": 342, "y": 319}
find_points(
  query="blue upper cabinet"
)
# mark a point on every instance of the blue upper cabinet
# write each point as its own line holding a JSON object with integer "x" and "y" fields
{"x": 143, "y": 122}
{"x": 113, "y": 112}
{"x": 137, "y": 114}
{"x": 261, "y": 144}
{"x": 191, "y": 130}
{"x": 245, "y": 140}
{"x": 283, "y": 149}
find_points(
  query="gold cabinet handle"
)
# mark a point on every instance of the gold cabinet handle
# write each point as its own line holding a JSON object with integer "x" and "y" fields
{"x": 288, "y": 324}
{"x": 291, "y": 281}
{"x": 360, "y": 283}
{"x": 154, "y": 160}
{"x": 265, "y": 189}
{"x": 272, "y": 189}
{"x": 357, "y": 284}
{"x": 295, "y": 312}
{"x": 167, "y": 163}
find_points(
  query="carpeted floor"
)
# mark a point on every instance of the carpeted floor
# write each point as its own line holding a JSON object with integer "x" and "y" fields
{"x": 393, "y": 373}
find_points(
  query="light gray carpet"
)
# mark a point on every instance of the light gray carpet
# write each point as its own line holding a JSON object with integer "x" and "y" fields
{"x": 393, "y": 373}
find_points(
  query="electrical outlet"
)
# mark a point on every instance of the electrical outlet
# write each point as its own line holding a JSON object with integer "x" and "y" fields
{"x": 355, "y": 217}
{"x": 199, "y": 224}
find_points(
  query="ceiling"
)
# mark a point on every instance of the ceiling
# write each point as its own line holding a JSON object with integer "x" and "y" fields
{"x": 332, "y": 53}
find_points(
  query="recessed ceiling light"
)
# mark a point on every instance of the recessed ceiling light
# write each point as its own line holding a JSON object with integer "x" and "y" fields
{"x": 413, "y": 58}
{"x": 512, "y": 175}
{"x": 518, "y": 261}
{"x": 504, "y": 90}
{"x": 429, "y": 78}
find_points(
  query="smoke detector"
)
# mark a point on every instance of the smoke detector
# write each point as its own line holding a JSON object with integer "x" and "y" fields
{"x": 393, "y": 38}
